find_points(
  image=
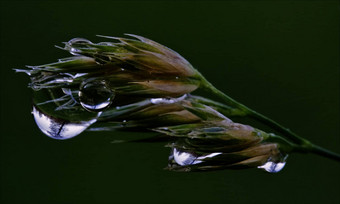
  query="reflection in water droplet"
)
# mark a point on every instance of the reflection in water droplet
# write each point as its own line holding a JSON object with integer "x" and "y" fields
{"x": 95, "y": 96}
{"x": 167, "y": 100}
{"x": 272, "y": 167}
{"x": 59, "y": 129}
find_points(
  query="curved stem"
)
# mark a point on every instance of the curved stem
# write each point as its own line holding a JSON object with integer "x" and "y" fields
{"x": 302, "y": 144}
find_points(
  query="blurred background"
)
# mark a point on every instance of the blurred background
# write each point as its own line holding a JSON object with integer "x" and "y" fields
{"x": 280, "y": 58}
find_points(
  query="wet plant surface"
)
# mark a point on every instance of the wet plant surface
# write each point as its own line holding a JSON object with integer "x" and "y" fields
{"x": 90, "y": 80}
{"x": 97, "y": 167}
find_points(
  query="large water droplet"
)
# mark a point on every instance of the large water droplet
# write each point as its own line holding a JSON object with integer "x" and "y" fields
{"x": 59, "y": 129}
{"x": 95, "y": 95}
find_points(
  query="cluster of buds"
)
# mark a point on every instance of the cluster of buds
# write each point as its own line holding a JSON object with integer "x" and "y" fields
{"x": 129, "y": 67}
{"x": 202, "y": 138}
{"x": 138, "y": 84}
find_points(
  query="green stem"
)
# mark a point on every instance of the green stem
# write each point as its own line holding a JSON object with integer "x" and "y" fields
{"x": 220, "y": 107}
{"x": 231, "y": 102}
{"x": 302, "y": 144}
{"x": 323, "y": 152}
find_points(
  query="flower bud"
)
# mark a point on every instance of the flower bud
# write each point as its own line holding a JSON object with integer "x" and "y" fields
{"x": 215, "y": 154}
{"x": 128, "y": 66}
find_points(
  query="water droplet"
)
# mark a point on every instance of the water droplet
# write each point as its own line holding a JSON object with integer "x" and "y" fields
{"x": 105, "y": 44}
{"x": 59, "y": 129}
{"x": 124, "y": 123}
{"x": 272, "y": 167}
{"x": 183, "y": 158}
{"x": 80, "y": 42}
{"x": 167, "y": 100}
{"x": 95, "y": 95}
{"x": 275, "y": 163}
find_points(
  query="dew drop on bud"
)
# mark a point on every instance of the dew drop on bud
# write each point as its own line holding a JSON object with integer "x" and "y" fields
{"x": 57, "y": 128}
{"x": 272, "y": 167}
{"x": 95, "y": 95}
{"x": 76, "y": 43}
{"x": 183, "y": 158}
{"x": 79, "y": 41}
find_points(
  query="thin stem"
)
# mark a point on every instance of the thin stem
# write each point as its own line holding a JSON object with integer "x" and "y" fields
{"x": 248, "y": 111}
{"x": 302, "y": 144}
{"x": 289, "y": 134}
{"x": 324, "y": 152}
{"x": 220, "y": 107}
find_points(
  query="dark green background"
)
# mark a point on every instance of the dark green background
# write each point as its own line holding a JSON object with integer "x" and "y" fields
{"x": 279, "y": 57}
